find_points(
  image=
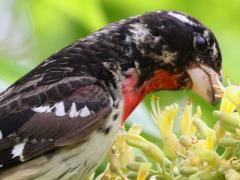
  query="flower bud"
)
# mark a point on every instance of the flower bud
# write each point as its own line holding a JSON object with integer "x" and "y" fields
{"x": 209, "y": 173}
{"x": 150, "y": 149}
{"x": 187, "y": 171}
{"x": 125, "y": 157}
{"x": 227, "y": 118}
{"x": 194, "y": 159}
{"x": 140, "y": 159}
{"x": 201, "y": 127}
{"x": 185, "y": 140}
{"x": 227, "y": 121}
{"x": 220, "y": 131}
{"x": 171, "y": 146}
{"x": 132, "y": 175}
{"x": 227, "y": 141}
{"x": 134, "y": 166}
{"x": 227, "y": 127}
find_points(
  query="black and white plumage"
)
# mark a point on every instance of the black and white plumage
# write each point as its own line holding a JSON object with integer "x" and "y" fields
{"x": 65, "y": 113}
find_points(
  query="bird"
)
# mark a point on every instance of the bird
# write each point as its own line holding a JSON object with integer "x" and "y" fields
{"x": 59, "y": 120}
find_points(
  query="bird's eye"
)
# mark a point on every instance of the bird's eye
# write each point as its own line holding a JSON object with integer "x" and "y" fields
{"x": 200, "y": 43}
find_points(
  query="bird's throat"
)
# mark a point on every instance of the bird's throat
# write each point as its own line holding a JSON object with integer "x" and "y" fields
{"x": 161, "y": 80}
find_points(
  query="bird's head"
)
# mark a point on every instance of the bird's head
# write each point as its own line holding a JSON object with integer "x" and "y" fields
{"x": 170, "y": 51}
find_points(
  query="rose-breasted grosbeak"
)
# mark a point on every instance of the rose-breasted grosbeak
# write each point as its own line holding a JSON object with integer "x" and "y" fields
{"x": 58, "y": 121}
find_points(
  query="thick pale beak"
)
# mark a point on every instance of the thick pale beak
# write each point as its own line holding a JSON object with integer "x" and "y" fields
{"x": 204, "y": 79}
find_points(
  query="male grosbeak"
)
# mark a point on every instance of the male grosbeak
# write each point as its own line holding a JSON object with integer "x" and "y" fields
{"x": 59, "y": 120}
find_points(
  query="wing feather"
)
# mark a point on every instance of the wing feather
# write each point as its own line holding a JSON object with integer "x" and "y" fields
{"x": 58, "y": 103}
{"x": 41, "y": 129}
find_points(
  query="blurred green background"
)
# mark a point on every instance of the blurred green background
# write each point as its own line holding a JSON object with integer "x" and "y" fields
{"x": 32, "y": 30}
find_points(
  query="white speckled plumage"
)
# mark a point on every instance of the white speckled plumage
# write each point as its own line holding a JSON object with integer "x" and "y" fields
{"x": 18, "y": 150}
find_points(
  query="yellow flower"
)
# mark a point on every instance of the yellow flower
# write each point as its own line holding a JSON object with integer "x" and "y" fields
{"x": 232, "y": 93}
{"x": 143, "y": 171}
{"x": 186, "y": 123}
{"x": 164, "y": 120}
{"x": 125, "y": 154}
{"x": 205, "y": 154}
{"x": 226, "y": 106}
{"x": 211, "y": 139}
{"x": 204, "y": 131}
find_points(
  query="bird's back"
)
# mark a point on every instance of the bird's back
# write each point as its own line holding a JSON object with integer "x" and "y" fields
{"x": 66, "y": 106}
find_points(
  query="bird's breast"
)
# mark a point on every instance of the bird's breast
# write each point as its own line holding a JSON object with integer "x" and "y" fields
{"x": 134, "y": 94}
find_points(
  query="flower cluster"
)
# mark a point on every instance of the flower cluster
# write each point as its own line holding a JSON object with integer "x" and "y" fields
{"x": 196, "y": 152}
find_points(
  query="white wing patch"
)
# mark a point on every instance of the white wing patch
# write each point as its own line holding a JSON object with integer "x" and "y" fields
{"x": 84, "y": 112}
{"x": 181, "y": 17}
{"x": 18, "y": 150}
{"x": 59, "y": 110}
{"x": 42, "y": 109}
{"x": 73, "y": 111}
{"x": 1, "y": 135}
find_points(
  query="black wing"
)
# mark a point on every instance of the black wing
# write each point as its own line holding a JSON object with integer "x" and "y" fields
{"x": 72, "y": 109}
